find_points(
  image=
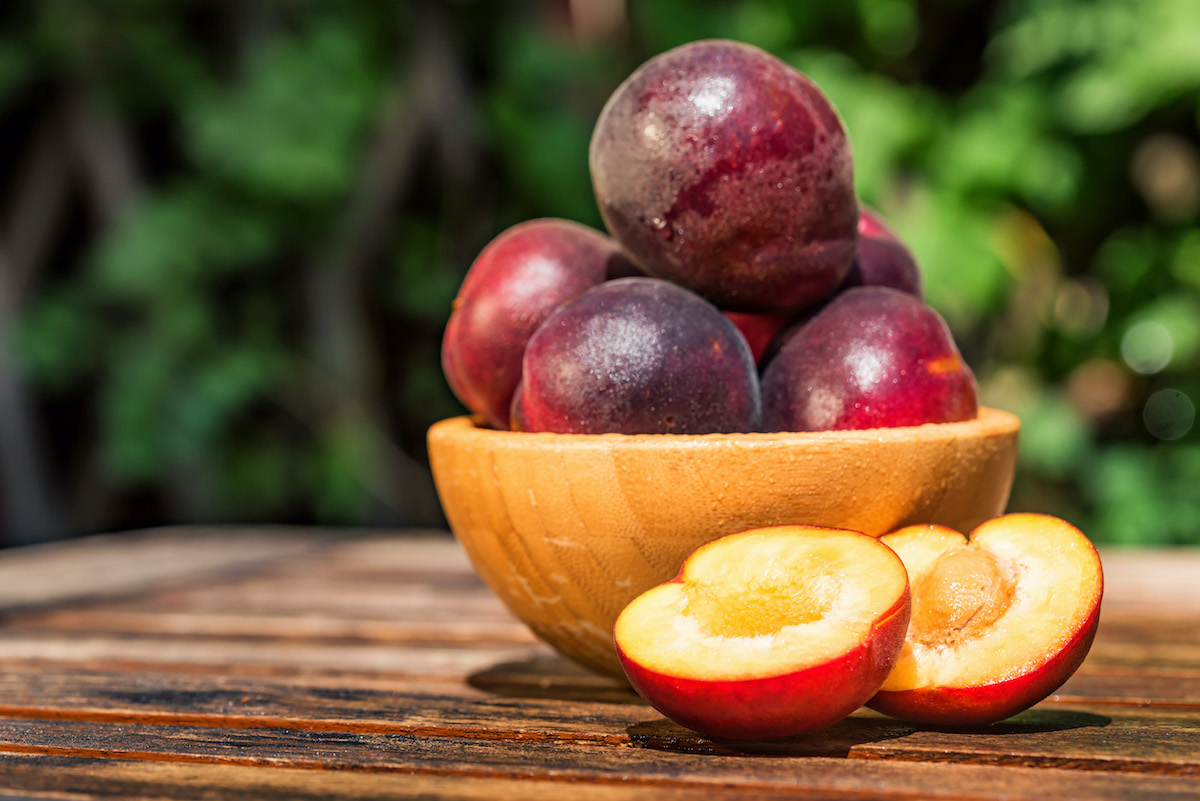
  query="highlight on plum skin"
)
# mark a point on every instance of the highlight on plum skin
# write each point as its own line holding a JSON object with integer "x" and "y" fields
{"x": 638, "y": 356}
{"x": 720, "y": 167}
{"x": 515, "y": 282}
{"x": 873, "y": 357}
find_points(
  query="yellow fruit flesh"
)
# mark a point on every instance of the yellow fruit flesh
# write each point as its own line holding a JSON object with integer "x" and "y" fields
{"x": 756, "y": 605}
{"x": 1005, "y": 602}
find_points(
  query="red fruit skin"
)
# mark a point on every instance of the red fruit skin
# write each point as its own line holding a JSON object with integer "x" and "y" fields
{"x": 758, "y": 329}
{"x": 873, "y": 357}
{"x": 516, "y": 281}
{"x": 638, "y": 356}
{"x": 980, "y": 706}
{"x": 882, "y": 259}
{"x": 783, "y": 705}
{"x": 871, "y": 224}
{"x": 989, "y": 703}
{"x": 720, "y": 167}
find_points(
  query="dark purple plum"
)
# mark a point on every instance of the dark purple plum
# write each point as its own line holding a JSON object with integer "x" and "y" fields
{"x": 638, "y": 356}
{"x": 516, "y": 281}
{"x": 882, "y": 259}
{"x": 873, "y": 357}
{"x": 720, "y": 167}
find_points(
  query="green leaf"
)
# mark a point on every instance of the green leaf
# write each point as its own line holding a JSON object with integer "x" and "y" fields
{"x": 964, "y": 278}
{"x": 1127, "y": 259}
{"x": 1179, "y": 315}
{"x": 175, "y": 238}
{"x": 421, "y": 286}
{"x": 343, "y": 467}
{"x": 134, "y": 403}
{"x": 292, "y": 127}
{"x": 1185, "y": 265}
{"x": 1145, "y": 496}
{"x": 889, "y": 26}
{"x": 1112, "y": 62}
{"x": 999, "y": 143}
{"x": 16, "y": 69}
{"x": 60, "y": 337}
{"x": 762, "y": 24}
{"x": 1054, "y": 438}
{"x": 665, "y": 24}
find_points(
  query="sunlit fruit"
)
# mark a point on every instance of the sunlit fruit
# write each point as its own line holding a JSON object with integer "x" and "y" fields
{"x": 873, "y": 357}
{"x": 514, "y": 283}
{"x": 881, "y": 258}
{"x": 718, "y": 166}
{"x": 768, "y": 633}
{"x": 1000, "y": 619}
{"x": 759, "y": 329}
{"x": 638, "y": 356}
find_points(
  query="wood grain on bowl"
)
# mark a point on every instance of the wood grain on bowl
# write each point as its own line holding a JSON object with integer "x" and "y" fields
{"x": 567, "y": 529}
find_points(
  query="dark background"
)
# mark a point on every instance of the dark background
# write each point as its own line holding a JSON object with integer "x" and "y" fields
{"x": 230, "y": 232}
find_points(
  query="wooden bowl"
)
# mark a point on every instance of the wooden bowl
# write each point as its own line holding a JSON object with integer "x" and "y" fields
{"x": 567, "y": 528}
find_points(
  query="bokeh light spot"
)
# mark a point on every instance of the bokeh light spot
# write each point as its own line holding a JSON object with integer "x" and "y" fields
{"x": 1169, "y": 414}
{"x": 1147, "y": 347}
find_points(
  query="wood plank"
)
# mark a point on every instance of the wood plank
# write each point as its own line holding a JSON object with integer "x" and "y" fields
{"x": 423, "y": 616}
{"x": 509, "y": 662}
{"x": 247, "y": 657}
{"x": 451, "y": 709}
{"x": 78, "y": 778}
{"x": 266, "y": 670}
{"x": 1157, "y": 582}
{"x": 107, "y": 565}
{"x": 1145, "y": 687}
{"x": 1079, "y": 736}
{"x": 269, "y": 628}
{"x": 652, "y": 763}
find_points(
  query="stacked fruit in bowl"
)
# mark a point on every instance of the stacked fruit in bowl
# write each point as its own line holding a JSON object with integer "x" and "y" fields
{"x": 743, "y": 367}
{"x": 738, "y": 245}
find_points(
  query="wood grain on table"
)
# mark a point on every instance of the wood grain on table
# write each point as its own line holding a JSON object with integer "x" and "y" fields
{"x": 302, "y": 663}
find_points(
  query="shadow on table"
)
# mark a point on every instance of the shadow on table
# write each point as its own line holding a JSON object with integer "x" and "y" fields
{"x": 552, "y": 677}
{"x": 1038, "y": 721}
{"x": 837, "y": 740}
{"x": 863, "y": 728}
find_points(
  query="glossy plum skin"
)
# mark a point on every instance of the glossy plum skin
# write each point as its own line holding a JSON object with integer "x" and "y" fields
{"x": 881, "y": 258}
{"x": 720, "y": 167}
{"x": 813, "y": 694}
{"x": 759, "y": 330}
{"x": 516, "y": 281}
{"x": 638, "y": 356}
{"x": 874, "y": 357}
{"x": 772, "y": 707}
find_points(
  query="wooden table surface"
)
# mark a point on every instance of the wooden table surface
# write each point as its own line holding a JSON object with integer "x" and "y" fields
{"x": 229, "y": 664}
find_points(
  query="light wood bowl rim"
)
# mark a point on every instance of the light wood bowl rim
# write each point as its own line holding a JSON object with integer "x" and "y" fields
{"x": 990, "y": 422}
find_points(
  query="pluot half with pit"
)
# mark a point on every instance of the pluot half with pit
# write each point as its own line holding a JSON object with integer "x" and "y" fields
{"x": 1000, "y": 619}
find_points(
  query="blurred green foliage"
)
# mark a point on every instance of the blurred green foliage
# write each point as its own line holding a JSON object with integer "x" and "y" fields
{"x": 1041, "y": 158}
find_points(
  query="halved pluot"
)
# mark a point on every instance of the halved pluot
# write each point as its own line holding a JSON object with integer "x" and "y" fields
{"x": 1000, "y": 618}
{"x": 769, "y": 632}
